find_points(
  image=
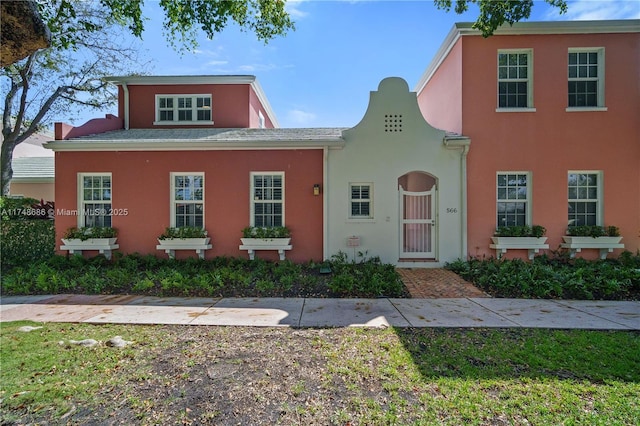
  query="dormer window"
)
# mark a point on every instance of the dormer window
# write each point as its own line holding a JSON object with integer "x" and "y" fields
{"x": 183, "y": 109}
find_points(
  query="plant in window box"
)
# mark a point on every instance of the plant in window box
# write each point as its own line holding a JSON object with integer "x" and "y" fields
{"x": 184, "y": 235}
{"x": 269, "y": 236}
{"x": 525, "y": 237}
{"x": 89, "y": 236}
{"x": 592, "y": 234}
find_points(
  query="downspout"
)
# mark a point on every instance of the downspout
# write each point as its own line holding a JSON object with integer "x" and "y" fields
{"x": 325, "y": 207}
{"x": 126, "y": 105}
{"x": 463, "y": 202}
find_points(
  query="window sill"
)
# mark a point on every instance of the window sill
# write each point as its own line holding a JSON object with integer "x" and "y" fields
{"x": 361, "y": 220}
{"x": 183, "y": 123}
{"x": 586, "y": 109}
{"x": 515, "y": 110}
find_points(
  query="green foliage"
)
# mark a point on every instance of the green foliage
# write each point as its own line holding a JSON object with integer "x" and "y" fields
{"x": 366, "y": 278}
{"x": 84, "y": 234}
{"x": 555, "y": 277}
{"x": 24, "y": 242}
{"x": 520, "y": 231}
{"x": 266, "y": 232}
{"x": 183, "y": 232}
{"x": 593, "y": 231}
{"x": 494, "y": 13}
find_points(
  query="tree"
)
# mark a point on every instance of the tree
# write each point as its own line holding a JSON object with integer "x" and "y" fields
{"x": 55, "y": 79}
{"x": 494, "y": 13}
{"x": 59, "y": 79}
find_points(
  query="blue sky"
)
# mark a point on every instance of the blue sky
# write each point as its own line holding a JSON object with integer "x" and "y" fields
{"x": 320, "y": 75}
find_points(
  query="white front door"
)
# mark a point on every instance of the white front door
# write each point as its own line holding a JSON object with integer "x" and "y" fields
{"x": 417, "y": 224}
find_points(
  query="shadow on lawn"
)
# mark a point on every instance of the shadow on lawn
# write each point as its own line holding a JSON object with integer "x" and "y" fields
{"x": 583, "y": 355}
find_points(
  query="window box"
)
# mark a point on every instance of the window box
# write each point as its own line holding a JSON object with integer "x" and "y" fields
{"x": 605, "y": 239}
{"x": 525, "y": 237}
{"x": 184, "y": 238}
{"x": 103, "y": 240}
{"x": 266, "y": 241}
{"x": 274, "y": 238}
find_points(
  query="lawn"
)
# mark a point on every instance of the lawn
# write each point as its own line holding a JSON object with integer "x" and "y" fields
{"x": 342, "y": 376}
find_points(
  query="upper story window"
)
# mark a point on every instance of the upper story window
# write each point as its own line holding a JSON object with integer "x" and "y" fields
{"x": 267, "y": 202}
{"x": 585, "y": 198}
{"x": 183, "y": 109}
{"x": 94, "y": 204}
{"x": 586, "y": 78}
{"x": 515, "y": 80}
{"x": 513, "y": 199}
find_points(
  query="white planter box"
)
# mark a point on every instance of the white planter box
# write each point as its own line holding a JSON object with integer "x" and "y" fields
{"x": 170, "y": 245}
{"x": 102, "y": 245}
{"x": 532, "y": 244}
{"x": 604, "y": 244}
{"x": 265, "y": 241}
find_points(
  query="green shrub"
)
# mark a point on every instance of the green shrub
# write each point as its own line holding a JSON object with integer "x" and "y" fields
{"x": 26, "y": 241}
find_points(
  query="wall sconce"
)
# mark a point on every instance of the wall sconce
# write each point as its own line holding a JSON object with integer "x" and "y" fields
{"x": 316, "y": 189}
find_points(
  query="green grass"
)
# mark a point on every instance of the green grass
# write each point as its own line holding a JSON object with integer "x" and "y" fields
{"x": 366, "y": 376}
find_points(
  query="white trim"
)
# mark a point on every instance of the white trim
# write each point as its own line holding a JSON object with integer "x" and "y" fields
{"x": 251, "y": 192}
{"x": 599, "y": 51}
{"x": 528, "y": 218}
{"x": 519, "y": 28}
{"x": 185, "y": 145}
{"x": 586, "y": 109}
{"x": 364, "y": 219}
{"x": 80, "y": 194}
{"x": 515, "y": 110}
{"x": 173, "y": 201}
{"x": 600, "y": 195}
{"x": 529, "y": 78}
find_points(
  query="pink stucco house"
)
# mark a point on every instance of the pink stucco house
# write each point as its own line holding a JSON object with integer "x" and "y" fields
{"x": 535, "y": 125}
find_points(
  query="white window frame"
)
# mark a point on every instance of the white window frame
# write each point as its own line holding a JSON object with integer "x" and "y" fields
{"x": 261, "y": 120}
{"x": 351, "y": 216}
{"x": 528, "y": 200}
{"x": 252, "y": 198}
{"x": 599, "y": 195}
{"x": 194, "y": 110}
{"x": 600, "y": 79}
{"x": 172, "y": 195}
{"x": 83, "y": 211}
{"x": 528, "y": 80}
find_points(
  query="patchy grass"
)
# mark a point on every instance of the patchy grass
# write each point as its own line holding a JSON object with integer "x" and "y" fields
{"x": 244, "y": 375}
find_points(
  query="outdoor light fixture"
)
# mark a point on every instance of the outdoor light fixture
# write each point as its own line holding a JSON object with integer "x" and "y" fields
{"x": 316, "y": 189}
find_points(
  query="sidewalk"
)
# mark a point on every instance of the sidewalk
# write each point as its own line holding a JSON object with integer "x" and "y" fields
{"x": 309, "y": 312}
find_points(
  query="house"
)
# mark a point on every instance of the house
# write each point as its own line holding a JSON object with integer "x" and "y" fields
{"x": 207, "y": 151}
{"x": 553, "y": 109}
{"x": 33, "y": 169}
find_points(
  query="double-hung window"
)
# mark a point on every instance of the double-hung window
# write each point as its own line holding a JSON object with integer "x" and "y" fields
{"x": 515, "y": 79}
{"x": 267, "y": 199}
{"x": 360, "y": 199}
{"x": 187, "y": 200}
{"x": 585, "y": 195}
{"x": 183, "y": 109}
{"x": 586, "y": 78}
{"x": 94, "y": 200}
{"x": 513, "y": 199}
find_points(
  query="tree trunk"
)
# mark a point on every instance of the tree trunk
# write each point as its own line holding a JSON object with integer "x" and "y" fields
{"x": 5, "y": 165}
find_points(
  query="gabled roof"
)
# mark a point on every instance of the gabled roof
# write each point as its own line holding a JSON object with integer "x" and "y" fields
{"x": 159, "y": 80}
{"x": 461, "y": 29}
{"x": 33, "y": 169}
{"x": 203, "y": 139}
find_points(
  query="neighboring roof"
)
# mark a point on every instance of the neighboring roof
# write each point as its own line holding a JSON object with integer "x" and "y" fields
{"x": 32, "y": 146}
{"x": 203, "y": 139}
{"x": 33, "y": 169}
{"x": 461, "y": 29}
{"x": 158, "y": 80}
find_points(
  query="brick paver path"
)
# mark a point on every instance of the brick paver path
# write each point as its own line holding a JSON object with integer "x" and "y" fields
{"x": 434, "y": 283}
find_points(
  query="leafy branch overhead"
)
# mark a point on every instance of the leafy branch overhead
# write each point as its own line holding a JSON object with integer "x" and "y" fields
{"x": 494, "y": 13}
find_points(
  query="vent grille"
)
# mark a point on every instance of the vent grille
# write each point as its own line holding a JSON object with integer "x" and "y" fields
{"x": 393, "y": 122}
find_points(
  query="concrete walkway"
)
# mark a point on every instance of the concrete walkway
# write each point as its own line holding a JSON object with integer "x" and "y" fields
{"x": 301, "y": 312}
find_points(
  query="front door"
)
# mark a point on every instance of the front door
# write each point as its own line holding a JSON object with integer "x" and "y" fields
{"x": 417, "y": 227}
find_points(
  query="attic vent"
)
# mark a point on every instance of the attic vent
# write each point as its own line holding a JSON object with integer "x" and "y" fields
{"x": 393, "y": 122}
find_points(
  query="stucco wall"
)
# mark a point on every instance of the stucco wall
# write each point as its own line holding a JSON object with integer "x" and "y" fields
{"x": 230, "y": 103}
{"x": 141, "y": 184}
{"x": 373, "y": 155}
{"x": 551, "y": 141}
{"x": 39, "y": 191}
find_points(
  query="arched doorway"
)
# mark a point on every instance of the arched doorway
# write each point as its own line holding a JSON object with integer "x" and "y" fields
{"x": 417, "y": 199}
